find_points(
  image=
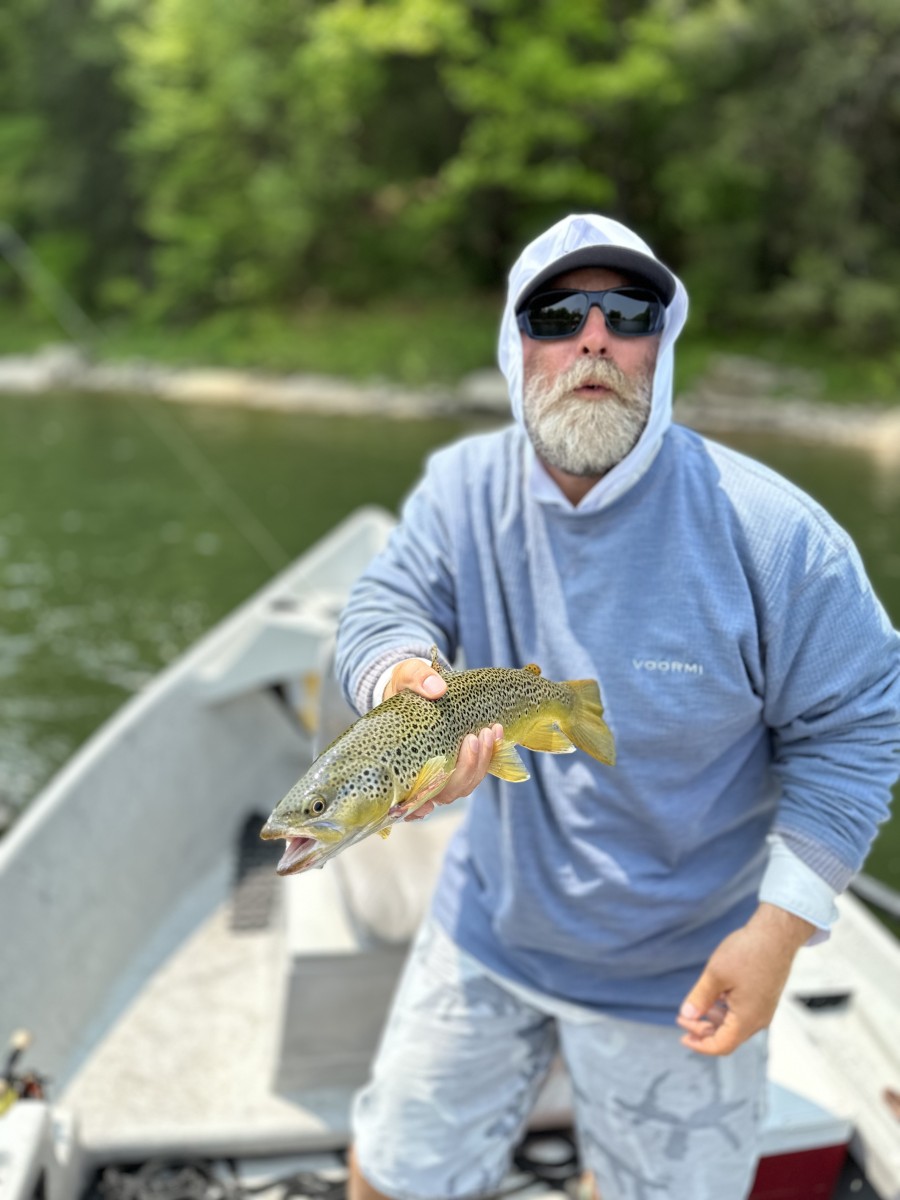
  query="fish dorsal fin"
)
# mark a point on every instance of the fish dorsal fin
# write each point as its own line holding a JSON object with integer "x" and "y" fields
{"x": 438, "y": 666}
{"x": 533, "y": 668}
{"x": 506, "y": 763}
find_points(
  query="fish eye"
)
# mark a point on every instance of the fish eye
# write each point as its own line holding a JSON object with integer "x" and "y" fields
{"x": 318, "y": 806}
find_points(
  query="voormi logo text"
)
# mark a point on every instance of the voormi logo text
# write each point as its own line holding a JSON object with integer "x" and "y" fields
{"x": 673, "y": 668}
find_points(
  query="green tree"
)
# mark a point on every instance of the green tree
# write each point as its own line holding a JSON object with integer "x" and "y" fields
{"x": 205, "y": 154}
{"x": 778, "y": 166}
{"x": 272, "y": 141}
{"x": 64, "y": 183}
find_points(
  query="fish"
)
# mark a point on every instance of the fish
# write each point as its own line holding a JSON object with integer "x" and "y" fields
{"x": 400, "y": 754}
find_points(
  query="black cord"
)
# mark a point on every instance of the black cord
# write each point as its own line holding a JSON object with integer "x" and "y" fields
{"x": 162, "y": 1180}
{"x": 197, "y": 1179}
{"x": 550, "y": 1156}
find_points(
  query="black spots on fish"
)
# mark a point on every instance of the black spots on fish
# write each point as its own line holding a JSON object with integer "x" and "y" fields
{"x": 368, "y": 780}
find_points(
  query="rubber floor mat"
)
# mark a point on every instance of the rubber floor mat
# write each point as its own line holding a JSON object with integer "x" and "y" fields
{"x": 253, "y": 895}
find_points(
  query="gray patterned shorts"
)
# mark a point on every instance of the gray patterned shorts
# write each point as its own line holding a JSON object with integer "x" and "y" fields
{"x": 463, "y": 1057}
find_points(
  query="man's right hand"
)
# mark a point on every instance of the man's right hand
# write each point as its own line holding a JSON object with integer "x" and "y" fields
{"x": 475, "y": 752}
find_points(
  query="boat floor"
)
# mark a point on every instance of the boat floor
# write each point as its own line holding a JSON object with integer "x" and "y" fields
{"x": 188, "y": 1067}
{"x": 185, "y": 1078}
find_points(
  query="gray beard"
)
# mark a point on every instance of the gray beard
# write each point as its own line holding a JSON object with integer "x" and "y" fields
{"x": 586, "y": 437}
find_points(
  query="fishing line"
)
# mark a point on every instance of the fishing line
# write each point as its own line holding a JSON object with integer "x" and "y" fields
{"x": 86, "y": 334}
{"x": 213, "y": 484}
{"x": 74, "y": 321}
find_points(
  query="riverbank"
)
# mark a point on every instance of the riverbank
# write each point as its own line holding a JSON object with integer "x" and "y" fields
{"x": 736, "y": 393}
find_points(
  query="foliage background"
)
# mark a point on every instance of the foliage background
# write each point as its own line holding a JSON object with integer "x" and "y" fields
{"x": 167, "y": 159}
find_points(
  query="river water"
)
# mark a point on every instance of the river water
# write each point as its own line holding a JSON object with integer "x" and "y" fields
{"x": 117, "y": 550}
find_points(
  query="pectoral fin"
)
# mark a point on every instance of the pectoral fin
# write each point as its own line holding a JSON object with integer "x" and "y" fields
{"x": 429, "y": 781}
{"x": 506, "y": 763}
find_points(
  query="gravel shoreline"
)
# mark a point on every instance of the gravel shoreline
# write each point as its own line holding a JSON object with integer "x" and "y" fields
{"x": 738, "y": 394}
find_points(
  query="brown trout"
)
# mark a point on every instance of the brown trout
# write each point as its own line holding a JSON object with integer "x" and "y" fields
{"x": 399, "y": 755}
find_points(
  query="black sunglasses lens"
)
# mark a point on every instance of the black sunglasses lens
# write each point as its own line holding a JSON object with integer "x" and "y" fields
{"x": 631, "y": 313}
{"x": 556, "y": 315}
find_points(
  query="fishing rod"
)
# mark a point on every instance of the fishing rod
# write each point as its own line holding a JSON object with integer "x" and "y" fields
{"x": 73, "y": 320}
{"x": 18, "y": 1085}
{"x": 874, "y": 892}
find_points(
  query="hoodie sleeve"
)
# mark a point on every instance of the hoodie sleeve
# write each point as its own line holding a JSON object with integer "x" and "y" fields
{"x": 405, "y": 602}
{"x": 832, "y": 702}
{"x": 790, "y": 884}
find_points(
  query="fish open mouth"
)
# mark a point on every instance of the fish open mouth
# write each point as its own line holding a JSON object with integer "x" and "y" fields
{"x": 296, "y": 853}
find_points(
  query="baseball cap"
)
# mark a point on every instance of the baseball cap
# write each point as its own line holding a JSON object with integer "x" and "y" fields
{"x": 643, "y": 268}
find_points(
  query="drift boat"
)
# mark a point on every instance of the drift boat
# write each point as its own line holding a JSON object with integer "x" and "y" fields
{"x": 198, "y": 1025}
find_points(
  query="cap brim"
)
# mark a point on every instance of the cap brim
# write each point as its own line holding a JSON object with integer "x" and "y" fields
{"x": 640, "y": 267}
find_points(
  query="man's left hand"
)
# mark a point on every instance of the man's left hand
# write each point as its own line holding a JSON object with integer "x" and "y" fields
{"x": 739, "y": 989}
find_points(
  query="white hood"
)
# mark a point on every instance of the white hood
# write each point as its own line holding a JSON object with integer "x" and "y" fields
{"x": 570, "y": 235}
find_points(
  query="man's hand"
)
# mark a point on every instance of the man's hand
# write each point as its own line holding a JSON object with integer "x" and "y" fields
{"x": 475, "y": 752}
{"x": 739, "y": 989}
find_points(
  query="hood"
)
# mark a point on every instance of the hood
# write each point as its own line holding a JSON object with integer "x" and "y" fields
{"x": 565, "y": 245}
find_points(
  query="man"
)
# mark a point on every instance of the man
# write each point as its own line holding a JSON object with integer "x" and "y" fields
{"x": 642, "y": 918}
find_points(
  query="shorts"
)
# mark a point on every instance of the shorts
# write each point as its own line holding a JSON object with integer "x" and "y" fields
{"x": 462, "y": 1060}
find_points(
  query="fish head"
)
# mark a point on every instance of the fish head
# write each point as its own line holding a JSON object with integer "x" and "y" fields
{"x": 330, "y": 808}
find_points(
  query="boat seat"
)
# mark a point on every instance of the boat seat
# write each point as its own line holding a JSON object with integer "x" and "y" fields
{"x": 386, "y": 884}
{"x": 347, "y": 929}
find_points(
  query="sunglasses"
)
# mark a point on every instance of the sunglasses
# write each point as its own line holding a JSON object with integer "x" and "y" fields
{"x": 627, "y": 311}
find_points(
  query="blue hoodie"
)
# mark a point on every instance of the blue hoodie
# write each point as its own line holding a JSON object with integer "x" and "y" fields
{"x": 749, "y": 674}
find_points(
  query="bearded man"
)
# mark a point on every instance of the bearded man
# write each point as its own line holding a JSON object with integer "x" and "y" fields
{"x": 640, "y": 919}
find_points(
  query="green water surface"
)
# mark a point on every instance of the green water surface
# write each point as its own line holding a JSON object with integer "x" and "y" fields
{"x": 114, "y": 556}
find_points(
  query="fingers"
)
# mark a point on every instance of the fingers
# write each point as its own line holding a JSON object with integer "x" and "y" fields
{"x": 476, "y": 751}
{"x": 471, "y": 767}
{"x": 706, "y": 992}
{"x": 417, "y": 676}
{"x": 708, "y": 1022}
{"x": 738, "y": 991}
{"x": 720, "y": 1033}
{"x": 703, "y": 1026}
{"x": 712, "y": 1025}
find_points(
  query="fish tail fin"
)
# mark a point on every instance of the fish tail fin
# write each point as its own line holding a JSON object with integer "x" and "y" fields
{"x": 585, "y": 725}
